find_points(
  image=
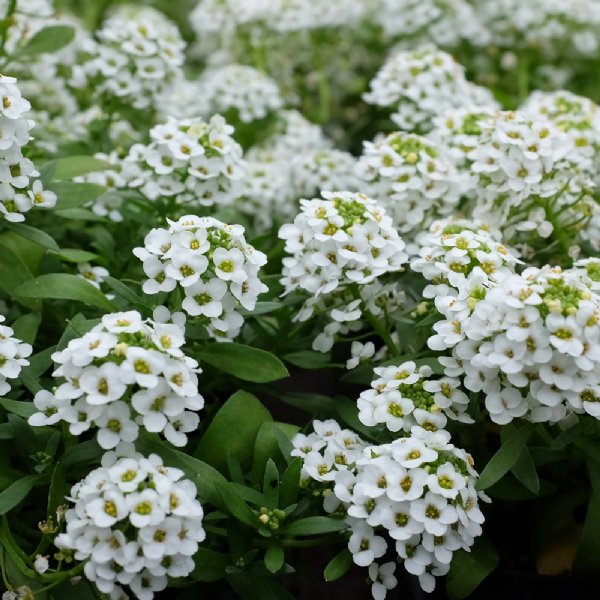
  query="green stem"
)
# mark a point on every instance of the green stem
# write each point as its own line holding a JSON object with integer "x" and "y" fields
{"x": 381, "y": 330}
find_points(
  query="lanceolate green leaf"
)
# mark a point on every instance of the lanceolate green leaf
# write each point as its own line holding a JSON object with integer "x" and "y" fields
{"x": 73, "y": 166}
{"x": 49, "y": 39}
{"x": 243, "y": 362}
{"x": 63, "y": 286}
{"x": 338, "y": 566}
{"x": 505, "y": 458}
{"x": 469, "y": 569}
{"x": 16, "y": 492}
{"x": 315, "y": 526}
{"x": 233, "y": 431}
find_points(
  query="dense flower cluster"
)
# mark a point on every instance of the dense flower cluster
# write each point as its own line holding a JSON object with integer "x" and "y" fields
{"x": 341, "y": 239}
{"x": 13, "y": 356}
{"x": 530, "y": 343}
{"x": 139, "y": 55}
{"x": 412, "y": 179}
{"x": 445, "y": 22}
{"x": 547, "y": 25}
{"x": 455, "y": 251}
{"x": 18, "y": 193}
{"x": 323, "y": 169}
{"x": 194, "y": 161}
{"x": 406, "y": 395}
{"x": 135, "y": 522}
{"x": 577, "y": 116}
{"x": 245, "y": 90}
{"x": 125, "y": 373}
{"x": 416, "y": 495}
{"x": 214, "y": 265}
{"x": 420, "y": 84}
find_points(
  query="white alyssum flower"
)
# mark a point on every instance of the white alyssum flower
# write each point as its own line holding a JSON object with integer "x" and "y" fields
{"x": 191, "y": 160}
{"x": 412, "y": 178}
{"x": 420, "y": 84}
{"x": 360, "y": 352}
{"x": 282, "y": 166}
{"x": 216, "y": 268}
{"x": 135, "y": 522}
{"x": 123, "y": 374}
{"x": 250, "y": 93}
{"x": 13, "y": 356}
{"x": 406, "y": 395}
{"x": 445, "y": 22}
{"x": 454, "y": 250}
{"x": 341, "y": 239}
{"x": 139, "y": 55}
{"x": 20, "y": 191}
{"x": 415, "y": 495}
{"x": 529, "y": 342}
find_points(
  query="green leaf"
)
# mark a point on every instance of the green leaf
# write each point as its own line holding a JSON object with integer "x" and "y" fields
{"x": 123, "y": 291}
{"x": 233, "y": 431}
{"x": 271, "y": 485}
{"x": 210, "y": 565}
{"x": 23, "y": 409}
{"x": 49, "y": 39}
{"x": 263, "y": 308}
{"x": 251, "y": 585}
{"x": 524, "y": 470}
{"x": 314, "y": 526}
{"x": 16, "y": 492}
{"x": 78, "y": 326}
{"x": 588, "y": 551}
{"x": 469, "y": 569}
{"x": 231, "y": 502}
{"x": 63, "y": 286}
{"x": 290, "y": 483}
{"x": 274, "y": 557}
{"x": 78, "y": 214}
{"x": 74, "y": 255}
{"x": 505, "y": 458}
{"x": 243, "y": 362}
{"x": 14, "y": 272}
{"x": 307, "y": 359}
{"x": 338, "y": 566}
{"x": 39, "y": 237}
{"x": 71, "y": 194}
{"x": 26, "y": 327}
{"x": 267, "y": 445}
{"x": 73, "y": 166}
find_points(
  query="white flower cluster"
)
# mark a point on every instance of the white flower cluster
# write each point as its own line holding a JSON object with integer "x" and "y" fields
{"x": 335, "y": 243}
{"x": 327, "y": 451}
{"x": 416, "y": 494}
{"x": 245, "y": 90}
{"x": 194, "y": 161}
{"x": 453, "y": 252}
{"x": 552, "y": 26}
{"x": 270, "y": 194}
{"x": 13, "y": 356}
{"x": 214, "y": 265}
{"x": 577, "y": 116}
{"x": 343, "y": 238}
{"x": 323, "y": 169}
{"x": 283, "y": 16}
{"x": 125, "y": 373}
{"x": 420, "y": 84}
{"x": 140, "y": 54}
{"x": 529, "y": 342}
{"x": 17, "y": 171}
{"x": 445, "y": 22}
{"x": 135, "y": 522}
{"x": 412, "y": 178}
{"x": 520, "y": 160}
{"x": 406, "y": 395}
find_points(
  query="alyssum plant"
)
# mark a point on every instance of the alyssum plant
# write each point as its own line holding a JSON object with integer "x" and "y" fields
{"x": 280, "y": 276}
